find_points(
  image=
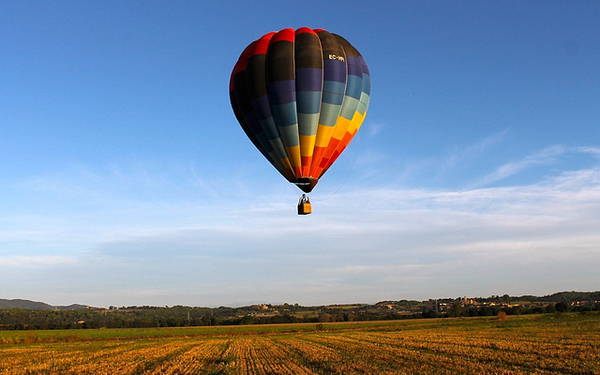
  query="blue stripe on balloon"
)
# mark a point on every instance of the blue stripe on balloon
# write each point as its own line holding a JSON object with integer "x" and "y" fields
{"x": 309, "y": 101}
{"x": 333, "y": 92}
{"x": 282, "y": 92}
{"x": 308, "y": 123}
{"x": 349, "y": 107}
{"x": 355, "y": 85}
{"x": 329, "y": 114}
{"x": 285, "y": 114}
{"x": 354, "y": 66}
{"x": 335, "y": 70}
{"x": 309, "y": 79}
{"x": 289, "y": 135}
{"x": 262, "y": 108}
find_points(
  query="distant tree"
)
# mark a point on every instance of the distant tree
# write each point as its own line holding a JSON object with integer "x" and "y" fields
{"x": 248, "y": 319}
{"x": 561, "y": 307}
{"x": 455, "y": 310}
{"x": 515, "y": 310}
{"x": 325, "y": 318}
{"x": 488, "y": 311}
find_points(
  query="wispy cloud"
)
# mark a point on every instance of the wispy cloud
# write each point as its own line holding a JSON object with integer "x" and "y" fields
{"x": 473, "y": 151}
{"x": 445, "y": 166}
{"x": 478, "y": 165}
{"x": 551, "y": 155}
{"x": 589, "y": 150}
{"x": 374, "y": 129}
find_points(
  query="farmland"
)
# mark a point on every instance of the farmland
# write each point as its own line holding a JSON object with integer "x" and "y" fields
{"x": 540, "y": 344}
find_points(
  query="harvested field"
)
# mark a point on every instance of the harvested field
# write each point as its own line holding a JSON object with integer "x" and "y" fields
{"x": 548, "y": 344}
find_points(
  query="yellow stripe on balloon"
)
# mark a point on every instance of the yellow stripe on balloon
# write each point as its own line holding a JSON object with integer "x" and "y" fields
{"x": 324, "y": 134}
{"x": 307, "y": 144}
{"x": 286, "y": 163}
{"x": 294, "y": 156}
{"x": 341, "y": 126}
{"x": 357, "y": 120}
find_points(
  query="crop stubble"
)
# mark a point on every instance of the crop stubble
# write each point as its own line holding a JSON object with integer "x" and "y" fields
{"x": 523, "y": 345}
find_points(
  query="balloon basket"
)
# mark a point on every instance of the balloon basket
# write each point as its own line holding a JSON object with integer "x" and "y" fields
{"x": 304, "y": 209}
{"x": 304, "y": 206}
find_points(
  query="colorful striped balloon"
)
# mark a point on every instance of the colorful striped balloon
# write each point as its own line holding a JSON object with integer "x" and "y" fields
{"x": 300, "y": 96}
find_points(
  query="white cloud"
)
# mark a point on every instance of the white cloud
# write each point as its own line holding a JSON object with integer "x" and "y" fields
{"x": 33, "y": 261}
{"x": 359, "y": 245}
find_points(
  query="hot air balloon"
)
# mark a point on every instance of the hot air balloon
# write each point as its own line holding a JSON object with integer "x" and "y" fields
{"x": 300, "y": 97}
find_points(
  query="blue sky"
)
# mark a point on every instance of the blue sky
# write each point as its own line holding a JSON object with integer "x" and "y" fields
{"x": 126, "y": 180}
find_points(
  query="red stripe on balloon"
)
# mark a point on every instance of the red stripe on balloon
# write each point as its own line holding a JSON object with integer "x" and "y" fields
{"x": 284, "y": 35}
{"x": 303, "y": 30}
{"x": 262, "y": 44}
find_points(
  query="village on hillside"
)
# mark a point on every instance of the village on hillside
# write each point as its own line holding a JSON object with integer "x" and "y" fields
{"x": 21, "y": 314}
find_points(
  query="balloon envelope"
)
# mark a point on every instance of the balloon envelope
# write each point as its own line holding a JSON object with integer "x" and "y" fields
{"x": 300, "y": 96}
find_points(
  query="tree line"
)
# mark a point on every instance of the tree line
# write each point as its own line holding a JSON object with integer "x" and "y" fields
{"x": 179, "y": 316}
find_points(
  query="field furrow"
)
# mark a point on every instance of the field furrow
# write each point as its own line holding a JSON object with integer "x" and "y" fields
{"x": 196, "y": 358}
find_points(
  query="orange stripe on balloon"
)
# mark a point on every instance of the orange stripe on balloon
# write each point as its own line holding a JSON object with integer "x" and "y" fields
{"x": 318, "y": 153}
{"x": 306, "y": 166}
